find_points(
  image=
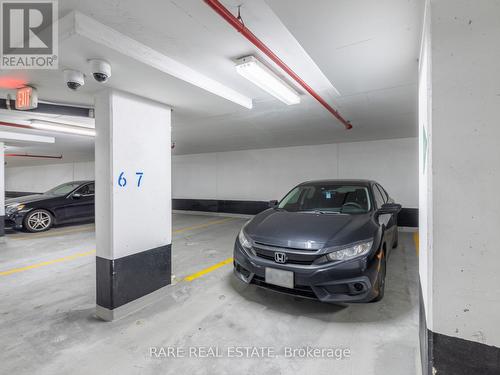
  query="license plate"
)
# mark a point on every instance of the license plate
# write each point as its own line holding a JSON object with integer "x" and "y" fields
{"x": 279, "y": 277}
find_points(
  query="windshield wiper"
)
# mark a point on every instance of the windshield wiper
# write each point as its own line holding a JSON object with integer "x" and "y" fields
{"x": 320, "y": 212}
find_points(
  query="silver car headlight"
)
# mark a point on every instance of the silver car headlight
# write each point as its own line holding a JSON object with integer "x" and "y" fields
{"x": 13, "y": 208}
{"x": 245, "y": 242}
{"x": 356, "y": 250}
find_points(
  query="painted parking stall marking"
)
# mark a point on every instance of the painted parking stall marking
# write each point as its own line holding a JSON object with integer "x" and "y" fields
{"x": 208, "y": 270}
{"x": 47, "y": 263}
{"x": 87, "y": 253}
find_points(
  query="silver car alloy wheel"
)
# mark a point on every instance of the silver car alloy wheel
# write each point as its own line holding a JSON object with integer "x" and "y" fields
{"x": 39, "y": 221}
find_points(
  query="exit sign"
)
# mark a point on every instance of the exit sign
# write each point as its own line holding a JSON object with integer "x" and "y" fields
{"x": 26, "y": 98}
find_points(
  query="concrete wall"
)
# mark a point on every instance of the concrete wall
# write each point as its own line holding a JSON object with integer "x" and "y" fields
{"x": 466, "y": 169}
{"x": 425, "y": 170}
{"x": 2, "y": 191}
{"x": 42, "y": 178}
{"x": 260, "y": 174}
{"x": 270, "y": 173}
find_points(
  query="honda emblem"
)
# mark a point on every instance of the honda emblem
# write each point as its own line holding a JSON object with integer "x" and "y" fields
{"x": 280, "y": 257}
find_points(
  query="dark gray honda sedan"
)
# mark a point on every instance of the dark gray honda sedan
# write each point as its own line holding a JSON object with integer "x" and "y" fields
{"x": 327, "y": 240}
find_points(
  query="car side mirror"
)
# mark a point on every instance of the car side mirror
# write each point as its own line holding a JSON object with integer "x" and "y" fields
{"x": 273, "y": 203}
{"x": 76, "y": 196}
{"x": 389, "y": 208}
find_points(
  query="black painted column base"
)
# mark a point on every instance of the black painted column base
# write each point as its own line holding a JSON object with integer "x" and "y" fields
{"x": 449, "y": 355}
{"x": 127, "y": 284}
{"x": 456, "y": 356}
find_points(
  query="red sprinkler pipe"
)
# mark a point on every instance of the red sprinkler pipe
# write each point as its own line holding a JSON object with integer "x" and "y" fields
{"x": 36, "y": 156}
{"x": 3, "y": 123}
{"x": 222, "y": 11}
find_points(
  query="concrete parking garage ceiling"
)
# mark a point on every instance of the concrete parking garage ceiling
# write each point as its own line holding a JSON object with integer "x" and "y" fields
{"x": 367, "y": 50}
{"x": 72, "y": 148}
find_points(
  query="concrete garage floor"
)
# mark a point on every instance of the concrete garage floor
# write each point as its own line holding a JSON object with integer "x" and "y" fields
{"x": 48, "y": 326}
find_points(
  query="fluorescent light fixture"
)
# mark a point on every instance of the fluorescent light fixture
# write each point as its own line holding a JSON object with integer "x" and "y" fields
{"x": 260, "y": 75}
{"x": 62, "y": 128}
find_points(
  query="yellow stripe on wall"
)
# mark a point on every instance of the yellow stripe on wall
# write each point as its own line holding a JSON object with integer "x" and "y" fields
{"x": 416, "y": 239}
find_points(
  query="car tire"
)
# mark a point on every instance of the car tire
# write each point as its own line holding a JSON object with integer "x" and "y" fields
{"x": 381, "y": 280}
{"x": 38, "y": 221}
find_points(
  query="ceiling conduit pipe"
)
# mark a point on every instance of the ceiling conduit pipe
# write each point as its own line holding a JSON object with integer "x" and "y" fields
{"x": 35, "y": 156}
{"x": 11, "y": 124}
{"x": 222, "y": 11}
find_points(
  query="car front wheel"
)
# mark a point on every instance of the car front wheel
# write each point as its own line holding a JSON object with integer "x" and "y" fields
{"x": 38, "y": 221}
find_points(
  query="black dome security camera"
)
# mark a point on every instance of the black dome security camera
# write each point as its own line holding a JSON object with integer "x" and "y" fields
{"x": 74, "y": 79}
{"x": 101, "y": 70}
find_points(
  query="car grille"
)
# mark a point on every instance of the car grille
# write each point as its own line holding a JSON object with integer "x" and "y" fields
{"x": 298, "y": 290}
{"x": 294, "y": 256}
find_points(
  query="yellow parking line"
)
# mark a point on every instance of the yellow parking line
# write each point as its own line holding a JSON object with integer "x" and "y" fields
{"x": 416, "y": 239}
{"x": 46, "y": 263}
{"x": 51, "y": 233}
{"x": 208, "y": 270}
{"x": 204, "y": 225}
{"x": 55, "y": 233}
{"x": 79, "y": 255}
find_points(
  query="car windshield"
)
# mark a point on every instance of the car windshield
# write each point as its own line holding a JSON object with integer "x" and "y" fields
{"x": 327, "y": 199}
{"x": 63, "y": 189}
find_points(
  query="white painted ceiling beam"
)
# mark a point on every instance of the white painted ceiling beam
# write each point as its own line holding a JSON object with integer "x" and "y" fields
{"x": 13, "y": 137}
{"x": 84, "y": 26}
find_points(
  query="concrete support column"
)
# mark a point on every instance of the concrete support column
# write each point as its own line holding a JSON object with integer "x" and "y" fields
{"x": 133, "y": 202}
{"x": 2, "y": 190}
{"x": 459, "y": 103}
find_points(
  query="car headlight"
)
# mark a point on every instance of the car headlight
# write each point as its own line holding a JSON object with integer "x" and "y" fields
{"x": 14, "y": 207}
{"x": 351, "y": 252}
{"x": 245, "y": 242}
